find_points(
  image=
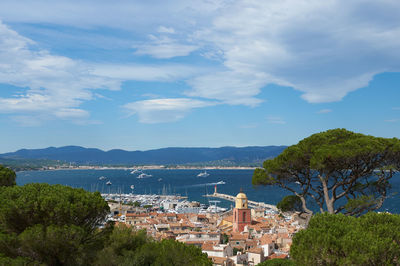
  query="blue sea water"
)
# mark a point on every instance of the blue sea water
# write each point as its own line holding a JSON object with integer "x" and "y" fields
{"x": 183, "y": 182}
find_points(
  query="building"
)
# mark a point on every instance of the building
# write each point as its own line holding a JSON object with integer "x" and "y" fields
{"x": 241, "y": 213}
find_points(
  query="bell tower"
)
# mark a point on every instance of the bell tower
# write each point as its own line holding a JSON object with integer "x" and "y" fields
{"x": 241, "y": 213}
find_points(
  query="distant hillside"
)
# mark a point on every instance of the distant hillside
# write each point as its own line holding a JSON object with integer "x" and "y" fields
{"x": 166, "y": 156}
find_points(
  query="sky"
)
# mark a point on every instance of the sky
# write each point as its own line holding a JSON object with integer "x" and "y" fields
{"x": 139, "y": 75}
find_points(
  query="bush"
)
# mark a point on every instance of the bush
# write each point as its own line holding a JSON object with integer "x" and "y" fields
{"x": 372, "y": 239}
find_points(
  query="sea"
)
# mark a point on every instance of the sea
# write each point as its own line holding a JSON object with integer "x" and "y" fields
{"x": 184, "y": 182}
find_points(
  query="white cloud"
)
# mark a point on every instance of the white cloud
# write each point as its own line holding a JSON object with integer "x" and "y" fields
{"x": 396, "y": 108}
{"x": 324, "y": 111}
{"x": 275, "y": 120}
{"x": 392, "y": 120}
{"x": 325, "y": 49}
{"x": 229, "y": 87}
{"x": 127, "y": 15}
{"x": 162, "y": 72}
{"x": 163, "y": 29}
{"x": 164, "y": 48}
{"x": 57, "y": 85}
{"x": 164, "y": 110}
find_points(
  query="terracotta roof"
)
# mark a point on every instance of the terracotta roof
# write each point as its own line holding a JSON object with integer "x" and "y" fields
{"x": 266, "y": 239}
{"x": 255, "y": 250}
{"x": 208, "y": 246}
{"x": 278, "y": 256}
{"x": 229, "y": 218}
{"x": 137, "y": 214}
{"x": 218, "y": 260}
{"x": 238, "y": 236}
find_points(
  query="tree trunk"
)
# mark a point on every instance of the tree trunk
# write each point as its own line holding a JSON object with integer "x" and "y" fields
{"x": 328, "y": 201}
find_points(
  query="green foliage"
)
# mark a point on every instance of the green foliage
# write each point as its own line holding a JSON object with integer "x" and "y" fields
{"x": 372, "y": 239}
{"x": 7, "y": 176}
{"x": 19, "y": 261}
{"x": 236, "y": 250}
{"x": 53, "y": 225}
{"x": 22, "y": 164}
{"x": 360, "y": 202}
{"x": 290, "y": 203}
{"x": 349, "y": 165}
{"x": 123, "y": 243}
{"x": 225, "y": 239}
{"x": 277, "y": 262}
{"x": 41, "y": 224}
{"x": 135, "y": 248}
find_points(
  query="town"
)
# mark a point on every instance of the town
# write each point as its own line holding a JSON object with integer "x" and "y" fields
{"x": 244, "y": 235}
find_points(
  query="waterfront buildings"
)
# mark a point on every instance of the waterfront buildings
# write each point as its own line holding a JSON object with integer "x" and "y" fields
{"x": 242, "y": 236}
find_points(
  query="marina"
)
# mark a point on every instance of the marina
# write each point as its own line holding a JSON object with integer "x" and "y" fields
{"x": 177, "y": 182}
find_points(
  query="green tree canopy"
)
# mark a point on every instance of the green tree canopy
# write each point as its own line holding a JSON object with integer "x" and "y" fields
{"x": 277, "y": 262}
{"x": 51, "y": 224}
{"x": 372, "y": 239}
{"x": 43, "y": 224}
{"x": 339, "y": 170}
{"x": 126, "y": 247}
{"x": 290, "y": 203}
{"x": 7, "y": 176}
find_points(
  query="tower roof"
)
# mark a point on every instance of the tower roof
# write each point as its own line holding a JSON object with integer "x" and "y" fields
{"x": 241, "y": 195}
{"x": 241, "y": 200}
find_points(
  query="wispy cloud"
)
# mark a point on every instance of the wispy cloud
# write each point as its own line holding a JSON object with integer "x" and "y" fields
{"x": 396, "y": 108}
{"x": 275, "y": 120}
{"x": 164, "y": 110}
{"x": 324, "y": 111}
{"x": 394, "y": 120}
{"x": 229, "y": 87}
{"x": 164, "y": 48}
{"x": 291, "y": 43}
{"x": 163, "y": 29}
{"x": 311, "y": 46}
{"x": 57, "y": 85}
{"x": 149, "y": 72}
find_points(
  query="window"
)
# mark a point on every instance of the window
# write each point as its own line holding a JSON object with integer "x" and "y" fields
{"x": 244, "y": 217}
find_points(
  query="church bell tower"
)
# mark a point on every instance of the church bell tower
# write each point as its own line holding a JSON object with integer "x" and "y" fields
{"x": 241, "y": 213}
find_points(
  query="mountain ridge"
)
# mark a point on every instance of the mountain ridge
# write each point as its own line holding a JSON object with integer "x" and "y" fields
{"x": 169, "y": 155}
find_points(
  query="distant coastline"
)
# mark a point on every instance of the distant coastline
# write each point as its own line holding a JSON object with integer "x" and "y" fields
{"x": 143, "y": 167}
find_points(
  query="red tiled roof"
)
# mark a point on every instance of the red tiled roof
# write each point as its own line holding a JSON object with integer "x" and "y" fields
{"x": 255, "y": 250}
{"x": 278, "y": 256}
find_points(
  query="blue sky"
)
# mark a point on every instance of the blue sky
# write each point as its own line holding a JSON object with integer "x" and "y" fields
{"x": 151, "y": 74}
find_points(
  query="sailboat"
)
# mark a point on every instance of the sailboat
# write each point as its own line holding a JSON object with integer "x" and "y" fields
{"x": 203, "y": 174}
{"x": 144, "y": 175}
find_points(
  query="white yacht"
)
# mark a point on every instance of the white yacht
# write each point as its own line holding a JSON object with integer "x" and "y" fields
{"x": 102, "y": 177}
{"x": 214, "y": 208}
{"x": 203, "y": 174}
{"x": 109, "y": 183}
{"x": 144, "y": 175}
{"x": 135, "y": 171}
